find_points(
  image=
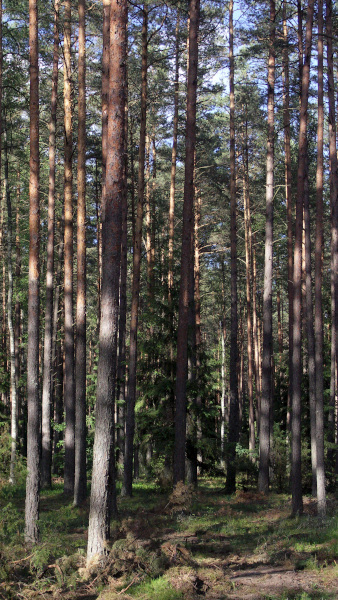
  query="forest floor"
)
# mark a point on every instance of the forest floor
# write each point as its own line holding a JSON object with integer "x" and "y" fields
{"x": 184, "y": 546}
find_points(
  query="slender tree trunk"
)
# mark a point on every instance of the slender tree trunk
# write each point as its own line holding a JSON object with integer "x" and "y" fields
{"x": 173, "y": 185}
{"x": 80, "y": 490}
{"x": 310, "y": 337}
{"x": 288, "y": 194}
{"x": 233, "y": 410}
{"x": 198, "y": 336}
{"x": 14, "y": 416}
{"x": 112, "y": 201}
{"x": 296, "y": 478}
{"x": 266, "y": 402}
{"x": 47, "y": 386}
{"x": 130, "y": 417}
{"x": 321, "y": 496}
{"x": 223, "y": 390}
{"x": 248, "y": 260}
{"x": 187, "y": 248}
{"x": 257, "y": 352}
{"x": 33, "y": 426}
{"x": 333, "y": 180}
{"x": 57, "y": 376}
{"x": 121, "y": 361}
{"x": 69, "y": 387}
{"x": 17, "y": 336}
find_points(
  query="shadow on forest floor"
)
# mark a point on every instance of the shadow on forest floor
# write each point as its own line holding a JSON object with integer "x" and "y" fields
{"x": 193, "y": 545}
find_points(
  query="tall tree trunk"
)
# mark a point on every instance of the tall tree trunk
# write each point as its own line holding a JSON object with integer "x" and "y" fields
{"x": 69, "y": 391}
{"x": 266, "y": 402}
{"x": 14, "y": 416}
{"x": 47, "y": 386}
{"x": 187, "y": 248}
{"x": 130, "y": 417}
{"x": 288, "y": 194}
{"x": 233, "y": 410}
{"x": 17, "y": 336}
{"x": 57, "y": 375}
{"x": 248, "y": 262}
{"x": 173, "y": 182}
{"x": 33, "y": 426}
{"x": 257, "y": 350}
{"x": 333, "y": 185}
{"x": 296, "y": 478}
{"x": 321, "y": 496}
{"x": 100, "y": 504}
{"x": 310, "y": 337}
{"x": 80, "y": 490}
{"x": 121, "y": 361}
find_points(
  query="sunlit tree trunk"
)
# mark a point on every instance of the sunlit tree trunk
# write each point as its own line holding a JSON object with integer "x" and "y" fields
{"x": 47, "y": 386}
{"x": 266, "y": 401}
{"x": 131, "y": 397}
{"x": 187, "y": 248}
{"x": 248, "y": 270}
{"x": 100, "y": 502}
{"x": 296, "y": 478}
{"x": 33, "y": 426}
{"x": 69, "y": 391}
{"x": 14, "y": 415}
{"x": 320, "y": 473}
{"x": 233, "y": 409}
{"x": 288, "y": 194}
{"x": 80, "y": 489}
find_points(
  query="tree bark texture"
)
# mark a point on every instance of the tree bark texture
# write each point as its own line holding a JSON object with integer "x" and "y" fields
{"x": 80, "y": 489}
{"x": 319, "y": 336}
{"x": 266, "y": 401}
{"x": 234, "y": 408}
{"x": 99, "y": 517}
{"x": 47, "y": 386}
{"x": 131, "y": 397}
{"x": 13, "y": 388}
{"x": 296, "y": 472}
{"x": 187, "y": 248}
{"x": 288, "y": 193}
{"x": 33, "y": 425}
{"x": 69, "y": 387}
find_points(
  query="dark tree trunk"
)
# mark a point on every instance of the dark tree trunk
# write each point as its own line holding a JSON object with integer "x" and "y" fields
{"x": 296, "y": 472}
{"x": 333, "y": 194}
{"x": 321, "y": 495}
{"x": 288, "y": 194}
{"x": 187, "y": 248}
{"x": 47, "y": 386}
{"x": 33, "y": 426}
{"x": 267, "y": 373}
{"x": 131, "y": 397}
{"x": 69, "y": 391}
{"x": 100, "y": 502}
{"x": 80, "y": 489}
{"x": 234, "y": 408}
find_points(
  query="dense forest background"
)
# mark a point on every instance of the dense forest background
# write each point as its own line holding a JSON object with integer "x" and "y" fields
{"x": 259, "y": 395}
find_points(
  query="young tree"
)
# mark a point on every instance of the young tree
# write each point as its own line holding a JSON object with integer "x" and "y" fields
{"x": 99, "y": 517}
{"x": 33, "y": 426}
